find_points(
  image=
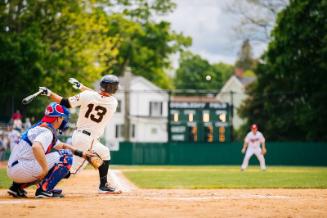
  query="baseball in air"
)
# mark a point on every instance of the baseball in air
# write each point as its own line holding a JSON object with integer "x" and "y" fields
{"x": 208, "y": 77}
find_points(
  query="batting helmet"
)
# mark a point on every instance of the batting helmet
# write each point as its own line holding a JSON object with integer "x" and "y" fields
{"x": 54, "y": 110}
{"x": 109, "y": 83}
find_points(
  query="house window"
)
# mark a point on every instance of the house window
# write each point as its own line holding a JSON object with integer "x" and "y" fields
{"x": 155, "y": 108}
{"x": 118, "y": 106}
{"x": 154, "y": 131}
{"x": 119, "y": 133}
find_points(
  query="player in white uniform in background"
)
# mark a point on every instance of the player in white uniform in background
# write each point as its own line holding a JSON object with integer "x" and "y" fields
{"x": 32, "y": 160}
{"x": 14, "y": 136}
{"x": 96, "y": 109}
{"x": 251, "y": 145}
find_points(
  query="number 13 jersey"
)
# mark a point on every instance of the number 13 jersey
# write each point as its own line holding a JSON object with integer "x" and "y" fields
{"x": 95, "y": 111}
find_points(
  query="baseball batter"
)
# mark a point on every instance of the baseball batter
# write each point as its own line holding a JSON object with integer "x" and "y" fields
{"x": 251, "y": 145}
{"x": 32, "y": 160}
{"x": 96, "y": 109}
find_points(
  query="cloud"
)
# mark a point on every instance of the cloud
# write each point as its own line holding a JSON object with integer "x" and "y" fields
{"x": 211, "y": 27}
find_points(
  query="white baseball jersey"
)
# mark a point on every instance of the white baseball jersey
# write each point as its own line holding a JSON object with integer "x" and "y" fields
{"x": 22, "y": 165}
{"x": 24, "y": 151}
{"x": 254, "y": 140}
{"x": 95, "y": 111}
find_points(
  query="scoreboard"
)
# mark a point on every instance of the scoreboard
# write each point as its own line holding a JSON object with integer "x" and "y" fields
{"x": 199, "y": 122}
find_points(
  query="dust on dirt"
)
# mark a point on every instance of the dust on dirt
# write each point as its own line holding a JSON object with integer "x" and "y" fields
{"x": 82, "y": 200}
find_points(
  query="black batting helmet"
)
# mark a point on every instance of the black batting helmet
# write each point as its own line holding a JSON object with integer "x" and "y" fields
{"x": 109, "y": 83}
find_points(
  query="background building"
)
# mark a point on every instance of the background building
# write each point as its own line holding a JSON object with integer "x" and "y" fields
{"x": 233, "y": 93}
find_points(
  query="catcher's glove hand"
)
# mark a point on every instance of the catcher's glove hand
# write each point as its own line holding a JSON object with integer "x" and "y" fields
{"x": 94, "y": 159}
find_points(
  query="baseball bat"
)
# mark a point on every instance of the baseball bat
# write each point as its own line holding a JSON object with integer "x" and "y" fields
{"x": 30, "y": 98}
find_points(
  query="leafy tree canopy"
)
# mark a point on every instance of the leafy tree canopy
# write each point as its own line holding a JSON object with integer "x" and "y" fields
{"x": 288, "y": 101}
{"x": 43, "y": 43}
{"x": 195, "y": 72}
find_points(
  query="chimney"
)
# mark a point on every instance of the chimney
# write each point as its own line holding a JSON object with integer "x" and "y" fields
{"x": 239, "y": 72}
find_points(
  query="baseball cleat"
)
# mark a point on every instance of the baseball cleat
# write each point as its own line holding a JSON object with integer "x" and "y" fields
{"x": 17, "y": 192}
{"x": 108, "y": 189}
{"x": 43, "y": 194}
{"x": 57, "y": 194}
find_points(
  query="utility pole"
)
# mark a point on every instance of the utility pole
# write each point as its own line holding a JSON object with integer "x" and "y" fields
{"x": 127, "y": 119}
{"x": 232, "y": 116}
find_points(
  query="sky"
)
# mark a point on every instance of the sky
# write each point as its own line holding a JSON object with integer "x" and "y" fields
{"x": 211, "y": 28}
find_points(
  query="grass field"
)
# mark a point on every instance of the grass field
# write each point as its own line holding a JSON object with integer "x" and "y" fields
{"x": 215, "y": 177}
{"x": 5, "y": 182}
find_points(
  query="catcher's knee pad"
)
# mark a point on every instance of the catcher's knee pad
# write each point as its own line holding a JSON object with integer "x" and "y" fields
{"x": 58, "y": 171}
{"x": 55, "y": 174}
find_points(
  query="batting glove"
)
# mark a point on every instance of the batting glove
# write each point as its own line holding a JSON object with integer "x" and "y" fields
{"x": 76, "y": 84}
{"x": 45, "y": 91}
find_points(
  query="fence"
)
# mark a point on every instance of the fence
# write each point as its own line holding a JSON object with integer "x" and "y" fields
{"x": 279, "y": 153}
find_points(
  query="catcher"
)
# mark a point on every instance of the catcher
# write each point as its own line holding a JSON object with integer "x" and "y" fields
{"x": 32, "y": 161}
{"x": 96, "y": 109}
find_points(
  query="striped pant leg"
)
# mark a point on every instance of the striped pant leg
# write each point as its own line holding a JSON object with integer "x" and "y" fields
{"x": 27, "y": 170}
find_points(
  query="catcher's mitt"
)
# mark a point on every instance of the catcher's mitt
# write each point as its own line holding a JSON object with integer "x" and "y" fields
{"x": 95, "y": 160}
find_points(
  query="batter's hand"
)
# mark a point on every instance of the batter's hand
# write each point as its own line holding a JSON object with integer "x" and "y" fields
{"x": 76, "y": 83}
{"x": 243, "y": 150}
{"x": 45, "y": 91}
{"x": 88, "y": 154}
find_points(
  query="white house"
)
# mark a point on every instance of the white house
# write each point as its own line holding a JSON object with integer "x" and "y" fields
{"x": 147, "y": 112}
{"x": 233, "y": 92}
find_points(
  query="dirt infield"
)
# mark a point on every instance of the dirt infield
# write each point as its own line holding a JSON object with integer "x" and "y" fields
{"x": 82, "y": 200}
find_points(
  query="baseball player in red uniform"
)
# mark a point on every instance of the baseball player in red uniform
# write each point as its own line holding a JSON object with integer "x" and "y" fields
{"x": 96, "y": 109}
{"x": 251, "y": 145}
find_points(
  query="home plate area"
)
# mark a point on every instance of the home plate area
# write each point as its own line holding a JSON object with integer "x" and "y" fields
{"x": 82, "y": 200}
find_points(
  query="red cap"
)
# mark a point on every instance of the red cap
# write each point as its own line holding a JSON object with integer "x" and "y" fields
{"x": 254, "y": 126}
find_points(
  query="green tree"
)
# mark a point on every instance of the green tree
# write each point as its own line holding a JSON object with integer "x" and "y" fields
{"x": 226, "y": 70}
{"x": 245, "y": 57}
{"x": 43, "y": 43}
{"x": 144, "y": 43}
{"x": 194, "y": 72}
{"x": 288, "y": 99}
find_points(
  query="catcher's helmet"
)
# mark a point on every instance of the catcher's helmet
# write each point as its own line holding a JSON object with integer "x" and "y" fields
{"x": 54, "y": 110}
{"x": 109, "y": 83}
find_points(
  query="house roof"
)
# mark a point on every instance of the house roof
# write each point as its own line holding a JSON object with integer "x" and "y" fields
{"x": 246, "y": 80}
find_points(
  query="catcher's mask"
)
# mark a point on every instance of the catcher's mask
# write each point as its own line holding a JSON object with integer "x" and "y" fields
{"x": 53, "y": 111}
{"x": 109, "y": 84}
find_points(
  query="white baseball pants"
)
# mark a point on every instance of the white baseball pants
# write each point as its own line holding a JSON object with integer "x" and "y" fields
{"x": 25, "y": 171}
{"x": 83, "y": 142}
{"x": 257, "y": 152}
